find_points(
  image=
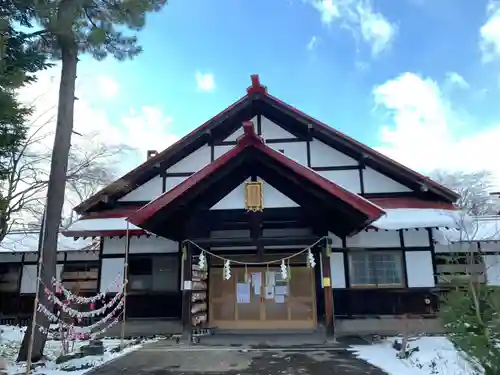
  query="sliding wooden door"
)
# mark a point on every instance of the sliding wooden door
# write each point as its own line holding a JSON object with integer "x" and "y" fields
{"x": 262, "y": 300}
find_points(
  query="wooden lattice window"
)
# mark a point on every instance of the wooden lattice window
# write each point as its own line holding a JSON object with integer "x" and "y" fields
{"x": 253, "y": 196}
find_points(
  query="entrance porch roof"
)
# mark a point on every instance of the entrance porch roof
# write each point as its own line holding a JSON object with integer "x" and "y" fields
{"x": 345, "y": 213}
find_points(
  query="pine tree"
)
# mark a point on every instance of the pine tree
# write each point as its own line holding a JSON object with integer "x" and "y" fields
{"x": 70, "y": 28}
{"x": 20, "y": 59}
{"x": 471, "y": 315}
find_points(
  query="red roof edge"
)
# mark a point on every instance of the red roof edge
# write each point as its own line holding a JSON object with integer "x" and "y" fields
{"x": 123, "y": 181}
{"x": 422, "y": 179}
{"x": 250, "y": 138}
{"x": 103, "y": 233}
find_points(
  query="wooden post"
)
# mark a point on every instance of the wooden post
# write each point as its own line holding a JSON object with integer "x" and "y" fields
{"x": 125, "y": 282}
{"x": 187, "y": 257}
{"x": 328, "y": 291}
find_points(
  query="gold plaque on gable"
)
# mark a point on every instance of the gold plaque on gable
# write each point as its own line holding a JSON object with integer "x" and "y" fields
{"x": 253, "y": 196}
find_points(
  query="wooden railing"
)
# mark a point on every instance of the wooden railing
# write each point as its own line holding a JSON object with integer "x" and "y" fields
{"x": 453, "y": 274}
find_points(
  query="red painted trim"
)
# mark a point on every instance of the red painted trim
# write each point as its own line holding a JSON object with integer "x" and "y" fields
{"x": 112, "y": 214}
{"x": 409, "y": 202}
{"x": 104, "y": 233}
{"x": 250, "y": 139}
{"x": 396, "y": 202}
{"x": 255, "y": 88}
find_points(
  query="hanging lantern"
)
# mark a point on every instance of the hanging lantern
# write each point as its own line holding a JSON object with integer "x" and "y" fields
{"x": 253, "y": 196}
{"x": 284, "y": 270}
{"x": 311, "y": 263}
{"x": 202, "y": 261}
{"x": 227, "y": 270}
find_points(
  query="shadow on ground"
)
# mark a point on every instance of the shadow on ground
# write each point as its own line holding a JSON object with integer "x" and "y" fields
{"x": 163, "y": 358}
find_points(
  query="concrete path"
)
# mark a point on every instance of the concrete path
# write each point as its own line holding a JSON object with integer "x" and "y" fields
{"x": 167, "y": 358}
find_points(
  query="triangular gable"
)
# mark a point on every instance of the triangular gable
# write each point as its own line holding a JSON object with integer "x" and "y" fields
{"x": 224, "y": 126}
{"x": 272, "y": 197}
{"x": 354, "y": 212}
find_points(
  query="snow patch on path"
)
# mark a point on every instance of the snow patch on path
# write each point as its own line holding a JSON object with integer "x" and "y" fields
{"x": 10, "y": 342}
{"x": 435, "y": 356}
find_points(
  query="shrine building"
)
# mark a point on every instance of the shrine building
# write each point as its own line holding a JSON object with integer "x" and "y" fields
{"x": 265, "y": 218}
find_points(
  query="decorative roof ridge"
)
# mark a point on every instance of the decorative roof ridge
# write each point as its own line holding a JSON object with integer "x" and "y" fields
{"x": 257, "y": 87}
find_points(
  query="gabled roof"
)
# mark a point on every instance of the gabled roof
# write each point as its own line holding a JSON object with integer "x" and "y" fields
{"x": 256, "y": 101}
{"x": 355, "y": 211}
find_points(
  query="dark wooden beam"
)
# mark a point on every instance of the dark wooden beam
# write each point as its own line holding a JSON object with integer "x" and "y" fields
{"x": 256, "y": 232}
{"x": 265, "y": 241}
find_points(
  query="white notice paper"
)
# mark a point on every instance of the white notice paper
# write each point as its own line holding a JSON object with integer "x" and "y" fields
{"x": 279, "y": 298}
{"x": 269, "y": 292}
{"x": 242, "y": 293}
{"x": 256, "y": 282}
{"x": 281, "y": 290}
{"x": 270, "y": 278}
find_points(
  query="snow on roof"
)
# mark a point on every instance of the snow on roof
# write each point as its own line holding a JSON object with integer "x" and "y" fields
{"x": 28, "y": 242}
{"x": 108, "y": 224}
{"x": 406, "y": 218}
{"x": 479, "y": 229}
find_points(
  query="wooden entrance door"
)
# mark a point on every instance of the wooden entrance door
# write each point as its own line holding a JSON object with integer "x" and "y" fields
{"x": 285, "y": 305}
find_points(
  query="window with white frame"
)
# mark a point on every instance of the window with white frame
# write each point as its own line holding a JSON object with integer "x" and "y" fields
{"x": 375, "y": 268}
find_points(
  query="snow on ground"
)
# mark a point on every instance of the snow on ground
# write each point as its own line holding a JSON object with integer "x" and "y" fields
{"x": 10, "y": 341}
{"x": 435, "y": 356}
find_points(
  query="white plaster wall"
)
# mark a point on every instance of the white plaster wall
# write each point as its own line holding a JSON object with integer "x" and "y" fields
{"x": 373, "y": 238}
{"x": 172, "y": 182}
{"x": 272, "y": 198}
{"x": 10, "y": 258}
{"x": 140, "y": 245}
{"x": 419, "y": 269}
{"x": 146, "y": 192}
{"x": 414, "y": 237}
{"x": 337, "y": 270}
{"x": 375, "y": 182}
{"x": 112, "y": 268}
{"x": 193, "y": 162}
{"x": 349, "y": 179}
{"x": 29, "y": 278}
{"x": 296, "y": 151}
{"x": 221, "y": 150}
{"x": 323, "y": 155}
{"x": 270, "y": 130}
{"x": 336, "y": 241}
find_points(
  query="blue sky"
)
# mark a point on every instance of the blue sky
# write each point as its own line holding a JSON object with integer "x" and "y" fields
{"x": 418, "y": 79}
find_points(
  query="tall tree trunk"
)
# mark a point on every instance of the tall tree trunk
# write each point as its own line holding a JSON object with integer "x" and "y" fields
{"x": 55, "y": 192}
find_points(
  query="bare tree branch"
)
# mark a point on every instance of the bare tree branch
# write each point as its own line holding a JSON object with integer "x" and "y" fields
{"x": 91, "y": 166}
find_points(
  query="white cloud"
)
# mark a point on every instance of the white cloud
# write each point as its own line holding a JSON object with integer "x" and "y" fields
{"x": 455, "y": 79}
{"x": 108, "y": 87}
{"x": 359, "y": 16}
{"x": 424, "y": 130}
{"x": 328, "y": 9}
{"x": 140, "y": 129}
{"x": 312, "y": 43}
{"x": 490, "y": 33}
{"x": 205, "y": 82}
